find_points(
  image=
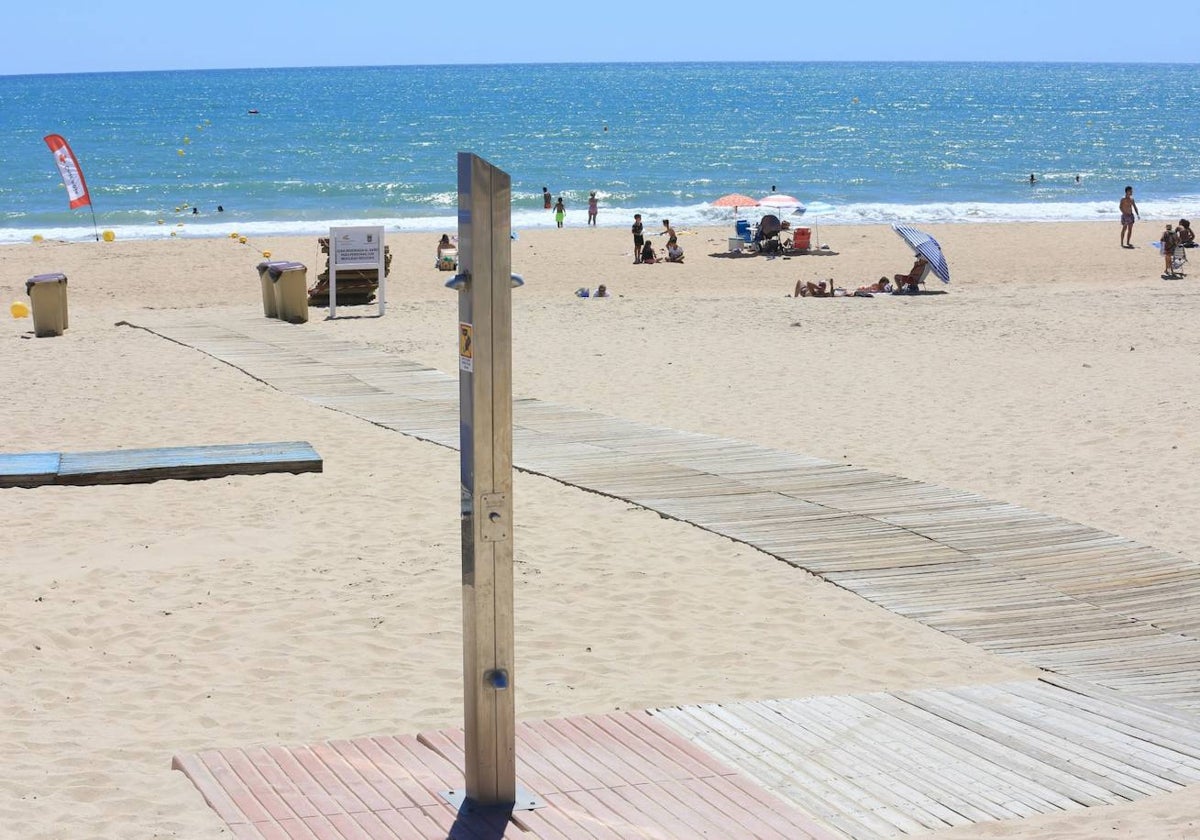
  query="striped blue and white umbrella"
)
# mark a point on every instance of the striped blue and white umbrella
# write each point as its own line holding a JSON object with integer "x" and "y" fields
{"x": 926, "y": 247}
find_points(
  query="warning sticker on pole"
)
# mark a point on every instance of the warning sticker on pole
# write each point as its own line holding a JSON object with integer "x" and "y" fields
{"x": 466, "y": 348}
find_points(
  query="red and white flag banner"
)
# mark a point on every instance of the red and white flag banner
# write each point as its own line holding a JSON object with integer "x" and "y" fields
{"x": 68, "y": 167}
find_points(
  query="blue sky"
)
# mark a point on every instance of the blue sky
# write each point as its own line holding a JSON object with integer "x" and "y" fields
{"x": 72, "y": 36}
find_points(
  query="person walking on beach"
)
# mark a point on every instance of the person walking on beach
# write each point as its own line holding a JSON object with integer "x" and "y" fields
{"x": 593, "y": 206}
{"x": 638, "y": 239}
{"x": 1169, "y": 241}
{"x": 560, "y": 212}
{"x": 546, "y": 198}
{"x": 1129, "y": 209}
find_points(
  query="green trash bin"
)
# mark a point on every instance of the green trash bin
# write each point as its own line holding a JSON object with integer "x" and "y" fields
{"x": 290, "y": 280}
{"x": 48, "y": 299}
{"x": 270, "y": 308}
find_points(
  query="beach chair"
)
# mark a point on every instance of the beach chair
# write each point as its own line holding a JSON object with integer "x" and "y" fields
{"x": 1179, "y": 261}
{"x": 448, "y": 260}
{"x": 912, "y": 282}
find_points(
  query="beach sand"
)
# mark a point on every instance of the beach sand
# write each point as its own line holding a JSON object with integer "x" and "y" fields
{"x": 1058, "y": 372}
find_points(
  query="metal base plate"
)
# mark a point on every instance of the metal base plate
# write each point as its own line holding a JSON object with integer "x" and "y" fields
{"x": 526, "y": 801}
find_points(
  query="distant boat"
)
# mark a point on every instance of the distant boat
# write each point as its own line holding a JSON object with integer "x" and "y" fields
{"x": 252, "y": 111}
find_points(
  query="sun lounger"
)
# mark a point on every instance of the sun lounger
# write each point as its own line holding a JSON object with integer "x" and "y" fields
{"x": 137, "y": 466}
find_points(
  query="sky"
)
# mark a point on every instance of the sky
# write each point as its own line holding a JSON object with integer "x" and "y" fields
{"x": 71, "y": 36}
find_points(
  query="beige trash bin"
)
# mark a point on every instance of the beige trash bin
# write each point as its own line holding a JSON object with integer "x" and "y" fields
{"x": 291, "y": 290}
{"x": 270, "y": 309}
{"x": 48, "y": 299}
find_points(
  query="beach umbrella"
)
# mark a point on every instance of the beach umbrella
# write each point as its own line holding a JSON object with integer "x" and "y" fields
{"x": 735, "y": 200}
{"x": 780, "y": 201}
{"x": 926, "y": 247}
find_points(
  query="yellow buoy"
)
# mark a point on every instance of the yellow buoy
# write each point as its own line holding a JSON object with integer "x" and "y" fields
{"x": 160, "y": 221}
{"x": 242, "y": 239}
{"x": 266, "y": 255}
{"x": 37, "y": 237}
{"x": 186, "y": 139}
{"x": 19, "y": 309}
{"x": 233, "y": 236}
{"x": 108, "y": 236}
{"x": 180, "y": 152}
{"x": 174, "y": 233}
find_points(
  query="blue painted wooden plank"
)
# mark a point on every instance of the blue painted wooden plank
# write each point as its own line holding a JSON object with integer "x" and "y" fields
{"x": 28, "y": 469}
{"x": 131, "y": 466}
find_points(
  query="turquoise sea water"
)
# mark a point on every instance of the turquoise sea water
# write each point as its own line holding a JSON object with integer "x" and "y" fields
{"x": 877, "y": 141}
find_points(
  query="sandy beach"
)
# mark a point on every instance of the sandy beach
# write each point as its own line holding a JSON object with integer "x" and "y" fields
{"x": 1057, "y": 372}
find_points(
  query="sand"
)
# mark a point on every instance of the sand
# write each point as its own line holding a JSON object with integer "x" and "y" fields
{"x": 1058, "y": 372}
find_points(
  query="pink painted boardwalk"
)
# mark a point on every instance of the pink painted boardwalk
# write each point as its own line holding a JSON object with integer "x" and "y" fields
{"x": 603, "y": 777}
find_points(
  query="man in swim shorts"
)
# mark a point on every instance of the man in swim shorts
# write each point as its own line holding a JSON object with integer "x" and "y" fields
{"x": 1128, "y": 209}
{"x": 638, "y": 238}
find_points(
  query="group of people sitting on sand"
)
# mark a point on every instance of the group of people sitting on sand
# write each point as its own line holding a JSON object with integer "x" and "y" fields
{"x": 900, "y": 284}
{"x": 650, "y": 256}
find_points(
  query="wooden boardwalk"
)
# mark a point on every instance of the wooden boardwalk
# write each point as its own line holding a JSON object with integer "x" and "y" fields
{"x": 1116, "y": 621}
{"x": 609, "y": 777}
{"x": 1052, "y": 593}
{"x": 868, "y": 767}
{"x": 140, "y": 466}
{"x": 908, "y": 763}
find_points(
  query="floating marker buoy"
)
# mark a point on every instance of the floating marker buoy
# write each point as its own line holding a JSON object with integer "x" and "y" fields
{"x": 160, "y": 221}
{"x": 266, "y": 255}
{"x": 37, "y": 237}
{"x": 233, "y": 236}
{"x": 180, "y": 152}
{"x": 242, "y": 239}
{"x": 19, "y": 309}
{"x": 186, "y": 139}
{"x": 174, "y": 233}
{"x": 108, "y": 236}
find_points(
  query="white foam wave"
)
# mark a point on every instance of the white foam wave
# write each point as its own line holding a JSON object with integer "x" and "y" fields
{"x": 681, "y": 216}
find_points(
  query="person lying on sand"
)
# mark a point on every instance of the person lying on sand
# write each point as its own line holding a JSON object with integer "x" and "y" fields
{"x": 881, "y": 285}
{"x": 807, "y": 288}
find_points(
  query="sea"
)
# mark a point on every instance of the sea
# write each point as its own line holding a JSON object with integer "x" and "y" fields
{"x": 297, "y": 150}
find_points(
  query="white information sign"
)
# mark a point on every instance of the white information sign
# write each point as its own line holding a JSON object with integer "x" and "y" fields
{"x": 357, "y": 248}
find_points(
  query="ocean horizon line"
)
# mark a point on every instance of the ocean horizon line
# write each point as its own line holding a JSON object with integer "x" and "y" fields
{"x": 642, "y": 63}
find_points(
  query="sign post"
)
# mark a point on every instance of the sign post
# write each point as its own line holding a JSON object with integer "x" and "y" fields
{"x": 356, "y": 248}
{"x": 485, "y": 432}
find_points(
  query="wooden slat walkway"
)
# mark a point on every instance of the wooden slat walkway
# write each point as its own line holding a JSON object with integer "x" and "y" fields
{"x": 901, "y": 763}
{"x": 602, "y": 777}
{"x": 1052, "y": 593}
{"x": 138, "y": 466}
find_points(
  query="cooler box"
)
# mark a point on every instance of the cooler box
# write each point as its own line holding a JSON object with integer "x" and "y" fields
{"x": 48, "y": 299}
{"x": 290, "y": 281}
{"x": 801, "y": 238}
{"x": 268, "y": 291}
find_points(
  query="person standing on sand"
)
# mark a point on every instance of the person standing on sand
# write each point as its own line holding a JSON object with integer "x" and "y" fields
{"x": 1169, "y": 241}
{"x": 638, "y": 239}
{"x": 560, "y": 212}
{"x": 1128, "y": 209}
{"x": 593, "y": 206}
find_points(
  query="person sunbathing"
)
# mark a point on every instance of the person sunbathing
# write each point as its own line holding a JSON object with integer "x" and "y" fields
{"x": 810, "y": 289}
{"x": 911, "y": 282}
{"x": 881, "y": 285}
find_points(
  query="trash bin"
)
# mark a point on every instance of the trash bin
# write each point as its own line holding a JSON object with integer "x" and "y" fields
{"x": 48, "y": 299}
{"x": 802, "y": 238}
{"x": 290, "y": 280}
{"x": 270, "y": 310}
